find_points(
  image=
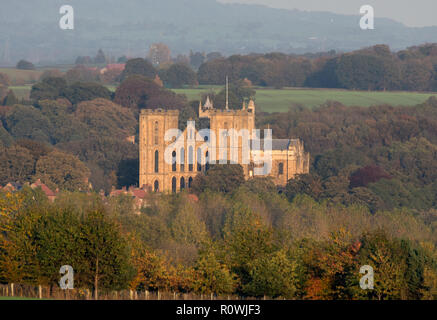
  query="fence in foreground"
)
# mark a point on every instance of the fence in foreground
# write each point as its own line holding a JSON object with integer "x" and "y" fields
{"x": 43, "y": 292}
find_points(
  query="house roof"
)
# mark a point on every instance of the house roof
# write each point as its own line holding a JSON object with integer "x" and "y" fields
{"x": 48, "y": 192}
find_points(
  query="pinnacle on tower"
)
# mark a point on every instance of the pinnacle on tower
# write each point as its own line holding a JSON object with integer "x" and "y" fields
{"x": 208, "y": 104}
{"x": 251, "y": 105}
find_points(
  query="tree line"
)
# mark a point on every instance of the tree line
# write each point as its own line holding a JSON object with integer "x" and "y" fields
{"x": 248, "y": 240}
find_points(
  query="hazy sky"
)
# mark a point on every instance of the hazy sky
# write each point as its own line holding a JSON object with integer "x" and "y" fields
{"x": 415, "y": 13}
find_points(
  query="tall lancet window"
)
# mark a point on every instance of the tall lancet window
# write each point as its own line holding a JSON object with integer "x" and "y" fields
{"x": 156, "y": 133}
{"x": 156, "y": 161}
{"x": 182, "y": 159}
{"x": 190, "y": 158}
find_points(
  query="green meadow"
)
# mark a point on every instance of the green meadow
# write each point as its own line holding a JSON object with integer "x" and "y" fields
{"x": 280, "y": 100}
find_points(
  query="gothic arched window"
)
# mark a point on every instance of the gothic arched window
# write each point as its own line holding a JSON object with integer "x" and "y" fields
{"x": 199, "y": 159}
{"x": 156, "y": 161}
{"x": 173, "y": 184}
{"x": 156, "y": 134}
{"x": 182, "y": 159}
{"x": 190, "y": 159}
{"x": 173, "y": 166}
{"x": 207, "y": 161}
{"x": 281, "y": 168}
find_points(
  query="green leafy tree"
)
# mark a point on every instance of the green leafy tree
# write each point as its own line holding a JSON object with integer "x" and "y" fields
{"x": 105, "y": 263}
{"x": 16, "y": 165}
{"x": 61, "y": 170}
{"x": 25, "y": 65}
{"x": 79, "y": 92}
{"x": 140, "y": 67}
{"x": 212, "y": 276}
{"x": 179, "y": 74}
{"x": 273, "y": 275}
{"x": 220, "y": 178}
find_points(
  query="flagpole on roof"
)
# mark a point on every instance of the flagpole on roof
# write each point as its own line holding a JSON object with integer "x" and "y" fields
{"x": 227, "y": 93}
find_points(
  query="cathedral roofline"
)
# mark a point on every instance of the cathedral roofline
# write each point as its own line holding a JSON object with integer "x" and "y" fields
{"x": 160, "y": 111}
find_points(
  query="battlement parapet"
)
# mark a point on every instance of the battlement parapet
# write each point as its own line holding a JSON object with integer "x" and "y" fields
{"x": 159, "y": 111}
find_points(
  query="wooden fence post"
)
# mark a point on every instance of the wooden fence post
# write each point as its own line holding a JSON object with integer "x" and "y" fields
{"x": 159, "y": 295}
{"x": 147, "y": 294}
{"x": 40, "y": 291}
{"x": 12, "y": 289}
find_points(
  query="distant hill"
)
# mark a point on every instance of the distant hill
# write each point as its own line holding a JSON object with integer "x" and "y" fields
{"x": 29, "y": 29}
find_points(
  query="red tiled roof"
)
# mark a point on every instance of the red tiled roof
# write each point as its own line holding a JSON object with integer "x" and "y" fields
{"x": 115, "y": 66}
{"x": 139, "y": 193}
{"x": 44, "y": 188}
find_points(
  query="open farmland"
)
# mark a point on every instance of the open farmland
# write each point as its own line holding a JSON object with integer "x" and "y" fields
{"x": 279, "y": 100}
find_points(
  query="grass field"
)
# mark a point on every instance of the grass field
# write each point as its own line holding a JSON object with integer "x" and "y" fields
{"x": 279, "y": 100}
{"x": 21, "y": 77}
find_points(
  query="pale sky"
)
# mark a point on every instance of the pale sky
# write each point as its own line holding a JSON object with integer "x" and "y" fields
{"x": 413, "y": 13}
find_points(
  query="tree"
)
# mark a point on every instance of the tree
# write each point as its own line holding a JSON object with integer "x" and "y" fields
{"x": 28, "y": 122}
{"x": 61, "y": 170}
{"x": 273, "y": 275}
{"x": 25, "y": 65}
{"x": 138, "y": 92}
{"x": 417, "y": 75}
{"x": 10, "y": 99}
{"x": 179, "y": 74}
{"x": 212, "y": 276}
{"x": 304, "y": 184}
{"x": 152, "y": 271}
{"x": 81, "y": 73}
{"x": 368, "y": 174}
{"x": 140, "y": 67}
{"x": 49, "y": 88}
{"x": 246, "y": 239}
{"x": 105, "y": 261}
{"x": 197, "y": 59}
{"x": 219, "y": 178}
{"x": 51, "y": 73}
{"x": 16, "y": 165}
{"x": 238, "y": 93}
{"x": 79, "y": 92}
{"x": 105, "y": 118}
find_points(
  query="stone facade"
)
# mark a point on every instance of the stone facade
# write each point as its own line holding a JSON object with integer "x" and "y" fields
{"x": 288, "y": 155}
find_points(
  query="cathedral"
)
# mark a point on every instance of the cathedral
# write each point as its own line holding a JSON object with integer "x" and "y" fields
{"x": 190, "y": 157}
